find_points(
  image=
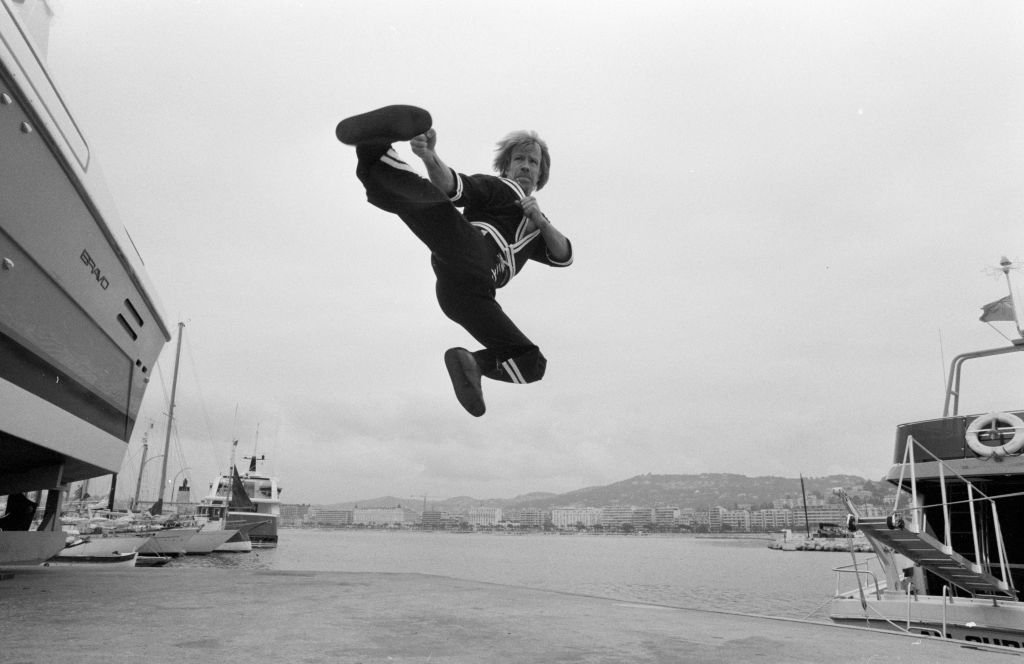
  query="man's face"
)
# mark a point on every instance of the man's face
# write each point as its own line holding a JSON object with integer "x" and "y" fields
{"x": 524, "y": 167}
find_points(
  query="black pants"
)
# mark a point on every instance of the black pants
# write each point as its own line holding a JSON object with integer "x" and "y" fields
{"x": 463, "y": 260}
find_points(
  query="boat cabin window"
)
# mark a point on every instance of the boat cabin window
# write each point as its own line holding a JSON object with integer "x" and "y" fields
{"x": 210, "y": 511}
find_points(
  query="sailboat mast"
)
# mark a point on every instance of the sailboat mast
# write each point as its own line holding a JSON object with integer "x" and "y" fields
{"x": 170, "y": 414}
{"x": 231, "y": 486}
{"x": 138, "y": 482}
{"x": 807, "y": 524}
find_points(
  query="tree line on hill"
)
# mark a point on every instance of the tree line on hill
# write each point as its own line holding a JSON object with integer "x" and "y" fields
{"x": 697, "y": 492}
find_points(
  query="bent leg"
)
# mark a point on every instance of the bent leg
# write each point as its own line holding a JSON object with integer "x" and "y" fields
{"x": 508, "y": 354}
{"x": 394, "y": 186}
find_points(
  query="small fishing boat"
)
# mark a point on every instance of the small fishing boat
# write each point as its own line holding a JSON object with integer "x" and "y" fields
{"x": 253, "y": 503}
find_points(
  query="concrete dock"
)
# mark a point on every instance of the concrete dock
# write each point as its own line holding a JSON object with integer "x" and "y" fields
{"x": 224, "y": 615}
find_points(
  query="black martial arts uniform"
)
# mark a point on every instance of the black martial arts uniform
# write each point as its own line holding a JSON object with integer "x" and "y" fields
{"x": 473, "y": 253}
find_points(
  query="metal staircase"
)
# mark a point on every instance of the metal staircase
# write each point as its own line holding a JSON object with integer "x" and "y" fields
{"x": 934, "y": 556}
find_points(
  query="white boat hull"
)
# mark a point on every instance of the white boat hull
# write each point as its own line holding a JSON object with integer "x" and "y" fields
{"x": 30, "y": 547}
{"x": 100, "y": 552}
{"x": 112, "y": 560}
{"x": 261, "y": 528}
{"x": 238, "y": 543}
{"x": 995, "y": 622}
{"x": 80, "y": 328}
{"x": 171, "y": 542}
{"x": 207, "y": 541}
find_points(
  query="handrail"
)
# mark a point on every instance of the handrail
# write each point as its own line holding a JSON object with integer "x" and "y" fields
{"x": 980, "y": 555}
{"x": 1003, "y": 565}
{"x": 945, "y": 505}
{"x": 945, "y": 595}
{"x": 845, "y": 569}
{"x": 952, "y": 404}
{"x": 910, "y": 592}
{"x": 974, "y": 519}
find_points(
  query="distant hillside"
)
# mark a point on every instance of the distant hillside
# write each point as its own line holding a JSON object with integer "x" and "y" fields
{"x": 694, "y": 491}
{"x": 697, "y": 491}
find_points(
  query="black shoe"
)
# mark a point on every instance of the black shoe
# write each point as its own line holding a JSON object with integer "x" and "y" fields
{"x": 465, "y": 375}
{"x": 384, "y": 125}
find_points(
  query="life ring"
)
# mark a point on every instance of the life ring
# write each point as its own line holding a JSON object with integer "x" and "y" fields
{"x": 992, "y": 420}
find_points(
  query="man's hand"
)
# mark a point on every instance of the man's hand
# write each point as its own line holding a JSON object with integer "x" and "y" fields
{"x": 532, "y": 210}
{"x": 558, "y": 246}
{"x": 424, "y": 144}
{"x": 423, "y": 147}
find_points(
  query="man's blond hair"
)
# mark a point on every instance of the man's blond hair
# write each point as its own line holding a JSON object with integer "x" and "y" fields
{"x": 503, "y": 158}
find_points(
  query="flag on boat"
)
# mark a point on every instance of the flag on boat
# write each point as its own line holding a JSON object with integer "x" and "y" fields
{"x": 1001, "y": 309}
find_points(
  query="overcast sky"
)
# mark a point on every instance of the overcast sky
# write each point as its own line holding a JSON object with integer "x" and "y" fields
{"x": 784, "y": 215}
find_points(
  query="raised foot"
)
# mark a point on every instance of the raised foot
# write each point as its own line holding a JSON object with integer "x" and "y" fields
{"x": 465, "y": 375}
{"x": 388, "y": 124}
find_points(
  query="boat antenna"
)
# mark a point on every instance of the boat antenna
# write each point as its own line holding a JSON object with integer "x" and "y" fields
{"x": 1006, "y": 265}
{"x": 253, "y": 459}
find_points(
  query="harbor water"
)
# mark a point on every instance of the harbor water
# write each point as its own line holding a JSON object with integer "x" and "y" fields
{"x": 733, "y": 575}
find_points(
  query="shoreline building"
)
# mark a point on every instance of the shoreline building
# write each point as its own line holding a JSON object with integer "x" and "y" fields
{"x": 771, "y": 519}
{"x": 527, "y": 517}
{"x": 736, "y": 520}
{"x": 483, "y": 516}
{"x": 642, "y": 517}
{"x": 565, "y": 518}
{"x": 829, "y": 513}
{"x": 384, "y": 516}
{"x": 434, "y": 519}
{"x": 615, "y": 516}
{"x": 666, "y": 517}
{"x": 323, "y": 516}
{"x": 715, "y": 517}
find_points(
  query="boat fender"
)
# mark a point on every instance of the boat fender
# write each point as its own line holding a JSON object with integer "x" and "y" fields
{"x": 992, "y": 421}
{"x": 894, "y": 522}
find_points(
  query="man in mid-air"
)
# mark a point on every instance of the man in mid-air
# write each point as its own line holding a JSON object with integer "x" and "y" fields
{"x": 473, "y": 252}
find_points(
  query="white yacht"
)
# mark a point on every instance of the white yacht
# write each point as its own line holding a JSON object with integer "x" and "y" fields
{"x": 80, "y": 327}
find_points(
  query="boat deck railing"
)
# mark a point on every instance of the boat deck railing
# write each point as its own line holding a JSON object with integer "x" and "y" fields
{"x": 952, "y": 405}
{"x": 974, "y": 495}
{"x": 860, "y": 571}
